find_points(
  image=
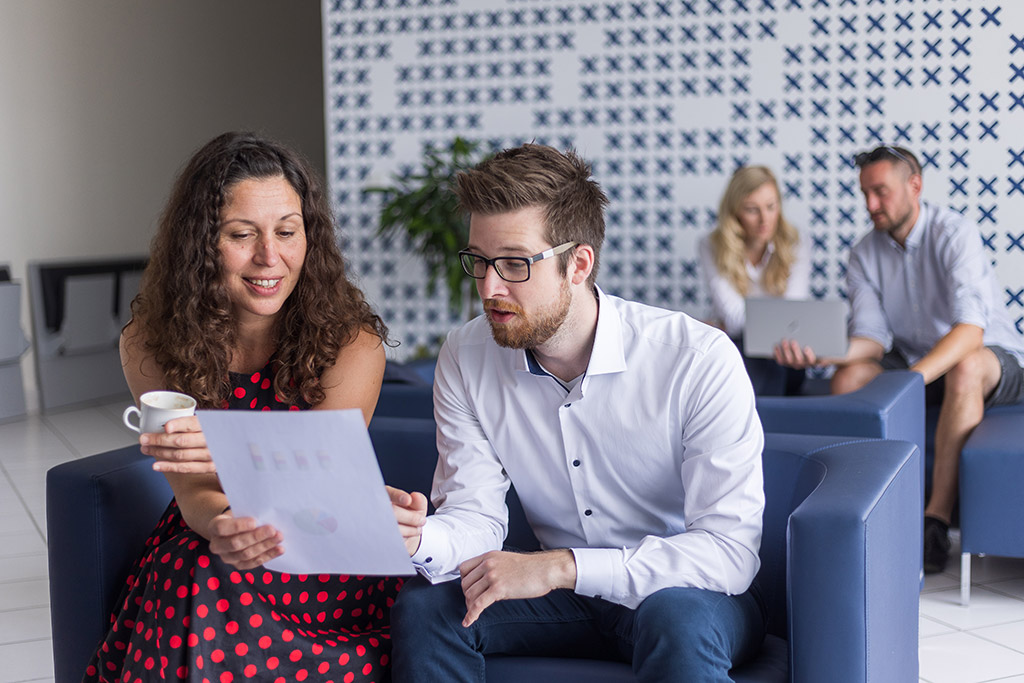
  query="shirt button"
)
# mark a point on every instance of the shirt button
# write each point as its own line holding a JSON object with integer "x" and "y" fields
{"x": 428, "y": 560}
{"x": 567, "y": 405}
{"x": 588, "y": 512}
{"x": 575, "y": 463}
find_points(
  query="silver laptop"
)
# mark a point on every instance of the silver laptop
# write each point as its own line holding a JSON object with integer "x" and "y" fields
{"x": 820, "y": 325}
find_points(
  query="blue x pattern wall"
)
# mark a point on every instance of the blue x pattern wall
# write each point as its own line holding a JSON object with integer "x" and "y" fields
{"x": 666, "y": 98}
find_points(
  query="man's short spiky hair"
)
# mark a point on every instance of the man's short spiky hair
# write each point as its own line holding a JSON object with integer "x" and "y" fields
{"x": 539, "y": 176}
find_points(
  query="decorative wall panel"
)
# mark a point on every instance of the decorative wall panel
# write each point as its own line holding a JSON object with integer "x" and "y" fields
{"x": 666, "y": 98}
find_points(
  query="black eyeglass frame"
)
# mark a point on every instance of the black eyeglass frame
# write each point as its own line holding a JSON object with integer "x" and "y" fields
{"x": 881, "y": 152}
{"x": 525, "y": 260}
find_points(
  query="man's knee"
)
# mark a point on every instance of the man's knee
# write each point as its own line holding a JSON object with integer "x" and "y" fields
{"x": 684, "y": 615}
{"x": 976, "y": 373}
{"x": 852, "y": 377}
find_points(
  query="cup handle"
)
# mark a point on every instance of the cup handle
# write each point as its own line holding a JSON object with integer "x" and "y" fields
{"x": 127, "y": 423}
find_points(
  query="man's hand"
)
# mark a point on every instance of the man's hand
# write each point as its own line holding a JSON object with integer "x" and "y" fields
{"x": 411, "y": 512}
{"x": 241, "y": 543}
{"x": 790, "y": 354}
{"x": 180, "y": 448}
{"x": 500, "y": 575}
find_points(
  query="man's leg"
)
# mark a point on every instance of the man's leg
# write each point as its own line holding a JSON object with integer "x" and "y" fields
{"x": 430, "y": 643}
{"x": 963, "y": 405}
{"x": 689, "y": 634}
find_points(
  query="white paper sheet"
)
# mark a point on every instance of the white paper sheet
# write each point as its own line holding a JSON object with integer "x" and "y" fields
{"x": 313, "y": 475}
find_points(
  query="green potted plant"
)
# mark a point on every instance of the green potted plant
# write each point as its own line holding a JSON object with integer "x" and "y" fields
{"x": 422, "y": 207}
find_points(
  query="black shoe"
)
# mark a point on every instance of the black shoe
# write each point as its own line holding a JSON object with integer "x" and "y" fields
{"x": 936, "y": 545}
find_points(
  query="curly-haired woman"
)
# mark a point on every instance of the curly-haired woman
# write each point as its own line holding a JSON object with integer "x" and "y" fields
{"x": 754, "y": 251}
{"x": 244, "y": 305}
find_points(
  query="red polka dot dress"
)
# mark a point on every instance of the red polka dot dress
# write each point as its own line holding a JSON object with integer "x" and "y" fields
{"x": 186, "y": 615}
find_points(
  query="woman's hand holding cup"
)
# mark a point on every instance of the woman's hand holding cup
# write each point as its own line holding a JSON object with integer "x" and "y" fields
{"x": 170, "y": 433}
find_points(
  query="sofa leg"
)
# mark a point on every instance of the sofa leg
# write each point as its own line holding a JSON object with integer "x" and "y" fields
{"x": 965, "y": 579}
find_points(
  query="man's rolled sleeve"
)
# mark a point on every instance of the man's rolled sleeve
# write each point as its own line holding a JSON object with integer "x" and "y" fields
{"x": 964, "y": 259}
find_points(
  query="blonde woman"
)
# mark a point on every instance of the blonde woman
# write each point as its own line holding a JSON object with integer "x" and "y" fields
{"x": 753, "y": 251}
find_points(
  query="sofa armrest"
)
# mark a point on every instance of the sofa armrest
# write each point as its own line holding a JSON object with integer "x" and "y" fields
{"x": 854, "y": 562}
{"x": 99, "y": 512}
{"x": 889, "y": 407}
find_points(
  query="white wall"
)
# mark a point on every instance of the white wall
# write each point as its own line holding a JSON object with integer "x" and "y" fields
{"x": 102, "y": 102}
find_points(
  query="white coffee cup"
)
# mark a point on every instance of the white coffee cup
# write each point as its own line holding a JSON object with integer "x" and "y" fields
{"x": 158, "y": 408}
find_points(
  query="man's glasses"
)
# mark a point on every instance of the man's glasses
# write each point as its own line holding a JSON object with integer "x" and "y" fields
{"x": 884, "y": 152}
{"x": 508, "y": 268}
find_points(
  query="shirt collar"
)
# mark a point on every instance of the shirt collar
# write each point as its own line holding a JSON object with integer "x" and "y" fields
{"x": 608, "y": 355}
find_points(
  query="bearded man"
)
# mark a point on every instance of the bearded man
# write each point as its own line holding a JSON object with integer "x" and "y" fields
{"x": 924, "y": 297}
{"x": 632, "y": 440}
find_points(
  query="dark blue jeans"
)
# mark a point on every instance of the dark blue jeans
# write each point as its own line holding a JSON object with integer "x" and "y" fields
{"x": 676, "y": 634}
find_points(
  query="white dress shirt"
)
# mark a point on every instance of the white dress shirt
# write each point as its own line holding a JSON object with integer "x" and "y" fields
{"x": 649, "y": 469}
{"x": 728, "y": 306}
{"x": 910, "y": 297}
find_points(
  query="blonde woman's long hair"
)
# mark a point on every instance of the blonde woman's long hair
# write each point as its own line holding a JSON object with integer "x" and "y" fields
{"x": 728, "y": 244}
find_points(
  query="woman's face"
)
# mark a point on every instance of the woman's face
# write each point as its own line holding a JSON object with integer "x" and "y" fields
{"x": 758, "y": 214}
{"x": 262, "y": 244}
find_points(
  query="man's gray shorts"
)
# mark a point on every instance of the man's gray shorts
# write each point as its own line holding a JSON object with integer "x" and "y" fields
{"x": 1011, "y": 379}
{"x": 1009, "y": 390}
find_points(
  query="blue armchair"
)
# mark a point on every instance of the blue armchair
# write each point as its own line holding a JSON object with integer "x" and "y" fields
{"x": 839, "y": 554}
{"x": 890, "y": 407}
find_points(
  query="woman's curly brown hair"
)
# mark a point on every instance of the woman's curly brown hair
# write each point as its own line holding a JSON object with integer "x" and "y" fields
{"x": 183, "y": 312}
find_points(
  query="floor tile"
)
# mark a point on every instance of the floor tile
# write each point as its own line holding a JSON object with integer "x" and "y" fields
{"x": 965, "y": 658}
{"x": 940, "y": 582}
{"x": 32, "y": 439}
{"x": 17, "y": 523}
{"x": 26, "y": 661}
{"x": 992, "y": 568}
{"x": 23, "y": 568}
{"x": 21, "y": 543}
{"x": 1007, "y": 635}
{"x": 928, "y": 627}
{"x": 1014, "y": 588}
{"x": 986, "y": 608}
{"x": 114, "y": 409}
{"x": 24, "y": 624}
{"x": 90, "y": 430}
{"x": 15, "y": 595}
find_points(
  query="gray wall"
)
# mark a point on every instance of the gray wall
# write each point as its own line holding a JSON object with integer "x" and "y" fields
{"x": 102, "y": 102}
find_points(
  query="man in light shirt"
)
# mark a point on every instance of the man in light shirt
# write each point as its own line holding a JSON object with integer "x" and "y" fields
{"x": 631, "y": 437}
{"x": 924, "y": 296}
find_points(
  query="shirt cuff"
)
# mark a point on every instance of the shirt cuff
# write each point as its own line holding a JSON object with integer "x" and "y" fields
{"x": 426, "y": 560}
{"x": 596, "y": 572}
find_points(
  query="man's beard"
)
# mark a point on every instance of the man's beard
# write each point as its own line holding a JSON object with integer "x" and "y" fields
{"x": 529, "y": 333}
{"x": 893, "y": 226}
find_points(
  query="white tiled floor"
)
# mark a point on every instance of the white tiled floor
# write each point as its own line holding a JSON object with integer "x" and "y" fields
{"x": 984, "y": 642}
{"x": 28, "y": 448}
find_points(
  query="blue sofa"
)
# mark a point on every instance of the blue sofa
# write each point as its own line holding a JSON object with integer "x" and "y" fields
{"x": 839, "y": 557}
{"x": 991, "y": 504}
{"x": 890, "y": 407}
